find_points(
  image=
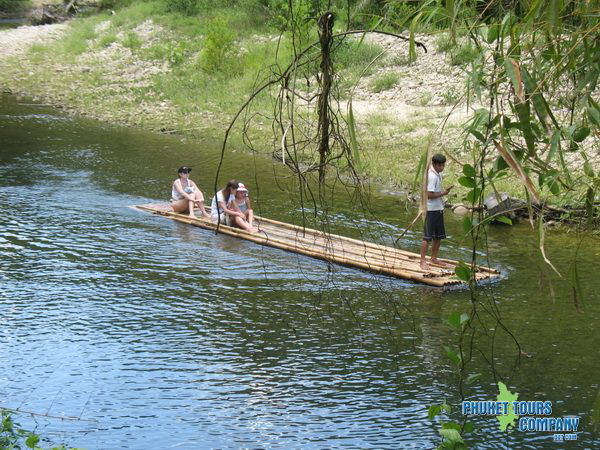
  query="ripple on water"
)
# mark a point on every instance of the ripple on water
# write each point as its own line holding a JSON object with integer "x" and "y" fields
{"x": 141, "y": 326}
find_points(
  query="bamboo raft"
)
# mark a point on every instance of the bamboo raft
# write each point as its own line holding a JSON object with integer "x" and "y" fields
{"x": 333, "y": 248}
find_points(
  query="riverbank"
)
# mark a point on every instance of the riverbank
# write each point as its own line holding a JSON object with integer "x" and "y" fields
{"x": 115, "y": 70}
{"x": 140, "y": 68}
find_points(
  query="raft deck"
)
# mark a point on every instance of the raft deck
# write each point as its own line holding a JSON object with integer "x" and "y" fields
{"x": 333, "y": 248}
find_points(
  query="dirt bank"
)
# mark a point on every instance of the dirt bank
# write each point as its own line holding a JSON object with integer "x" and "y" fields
{"x": 16, "y": 41}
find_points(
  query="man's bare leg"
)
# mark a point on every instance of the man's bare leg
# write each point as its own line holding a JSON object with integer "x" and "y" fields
{"x": 435, "y": 249}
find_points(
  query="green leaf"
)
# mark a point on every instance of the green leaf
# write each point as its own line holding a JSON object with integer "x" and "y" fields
{"x": 434, "y": 410}
{"x": 451, "y": 426}
{"x": 503, "y": 219}
{"x": 587, "y": 169}
{"x": 412, "y": 51}
{"x": 593, "y": 115}
{"x": 539, "y": 103}
{"x": 480, "y": 119}
{"x": 453, "y": 356}
{"x": 472, "y": 378}
{"x": 469, "y": 427}
{"x": 454, "y": 319}
{"x": 513, "y": 72}
{"x": 469, "y": 171}
{"x": 473, "y": 196}
{"x": 467, "y": 182}
{"x": 421, "y": 168}
{"x": 480, "y": 137}
{"x": 553, "y": 9}
{"x": 589, "y": 206}
{"x": 554, "y": 145}
{"x": 493, "y": 33}
{"x": 457, "y": 320}
{"x": 451, "y": 435}
{"x": 554, "y": 187}
{"x": 352, "y": 132}
{"x": 580, "y": 134}
{"x": 463, "y": 272}
{"x": 500, "y": 164}
{"x": 467, "y": 224}
{"x": 533, "y": 10}
{"x": 32, "y": 440}
{"x": 524, "y": 113}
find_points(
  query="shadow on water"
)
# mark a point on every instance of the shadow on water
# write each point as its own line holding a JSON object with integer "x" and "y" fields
{"x": 140, "y": 325}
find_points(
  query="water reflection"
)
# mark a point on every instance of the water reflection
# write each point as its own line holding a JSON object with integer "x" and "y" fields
{"x": 139, "y": 325}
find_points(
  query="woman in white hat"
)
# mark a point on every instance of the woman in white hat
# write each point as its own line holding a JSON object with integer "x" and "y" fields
{"x": 225, "y": 211}
{"x": 242, "y": 202}
{"x": 185, "y": 194}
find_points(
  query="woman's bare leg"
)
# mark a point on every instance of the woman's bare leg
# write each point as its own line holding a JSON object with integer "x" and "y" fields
{"x": 241, "y": 223}
{"x": 199, "y": 200}
{"x": 249, "y": 217}
{"x": 183, "y": 205}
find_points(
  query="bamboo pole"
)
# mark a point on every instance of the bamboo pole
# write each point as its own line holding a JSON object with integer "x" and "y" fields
{"x": 315, "y": 254}
{"x": 360, "y": 243}
{"x": 385, "y": 259}
{"x": 373, "y": 245}
{"x": 380, "y": 265}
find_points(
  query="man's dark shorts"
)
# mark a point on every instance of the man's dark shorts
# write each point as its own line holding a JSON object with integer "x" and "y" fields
{"x": 434, "y": 226}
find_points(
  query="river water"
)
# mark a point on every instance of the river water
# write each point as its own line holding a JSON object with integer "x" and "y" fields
{"x": 140, "y": 332}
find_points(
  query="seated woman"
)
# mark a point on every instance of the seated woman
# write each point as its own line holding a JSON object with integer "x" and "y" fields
{"x": 223, "y": 211}
{"x": 242, "y": 202}
{"x": 185, "y": 194}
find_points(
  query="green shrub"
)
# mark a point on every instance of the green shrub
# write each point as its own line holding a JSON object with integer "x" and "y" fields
{"x": 384, "y": 82}
{"x": 425, "y": 98}
{"x": 136, "y": 13}
{"x": 114, "y": 4}
{"x": 355, "y": 55}
{"x": 187, "y": 7}
{"x": 219, "y": 53}
{"x": 450, "y": 96}
{"x": 400, "y": 60}
{"x": 400, "y": 13}
{"x": 177, "y": 53}
{"x": 76, "y": 41}
{"x": 13, "y": 436}
{"x": 107, "y": 39}
{"x": 463, "y": 55}
{"x": 132, "y": 41}
{"x": 9, "y": 6}
{"x": 443, "y": 43}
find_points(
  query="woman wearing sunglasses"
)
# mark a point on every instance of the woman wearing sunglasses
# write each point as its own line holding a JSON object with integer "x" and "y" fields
{"x": 185, "y": 195}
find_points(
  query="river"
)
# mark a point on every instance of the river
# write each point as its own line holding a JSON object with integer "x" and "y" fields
{"x": 140, "y": 332}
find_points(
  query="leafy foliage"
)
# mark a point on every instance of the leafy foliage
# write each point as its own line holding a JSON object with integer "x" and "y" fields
{"x": 12, "y": 435}
{"x": 218, "y": 54}
{"x": 187, "y": 7}
{"x": 385, "y": 82}
{"x": 10, "y": 6}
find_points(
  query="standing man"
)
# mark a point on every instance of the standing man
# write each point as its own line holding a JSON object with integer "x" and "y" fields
{"x": 434, "y": 220}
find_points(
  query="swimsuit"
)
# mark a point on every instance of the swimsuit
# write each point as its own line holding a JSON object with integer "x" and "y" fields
{"x": 176, "y": 196}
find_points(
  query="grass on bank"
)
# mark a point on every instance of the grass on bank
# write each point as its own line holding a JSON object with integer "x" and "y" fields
{"x": 211, "y": 65}
{"x": 214, "y": 61}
